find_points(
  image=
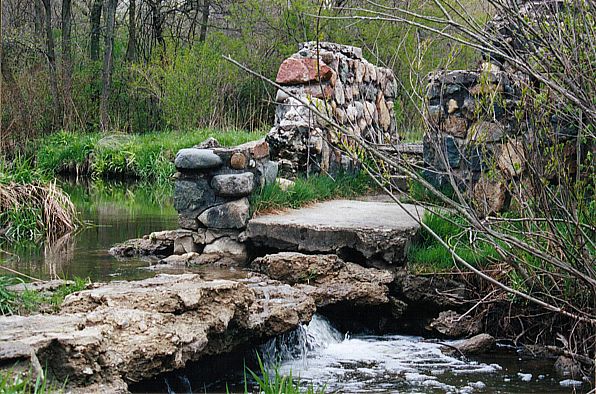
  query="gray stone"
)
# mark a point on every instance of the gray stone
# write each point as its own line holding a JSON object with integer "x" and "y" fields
{"x": 374, "y": 230}
{"x": 209, "y": 143}
{"x": 327, "y": 278}
{"x": 224, "y": 251}
{"x": 568, "y": 367}
{"x": 197, "y": 159}
{"x": 186, "y": 244}
{"x": 233, "y": 185}
{"x": 478, "y": 344}
{"x": 132, "y": 331}
{"x": 193, "y": 196}
{"x": 269, "y": 170}
{"x": 453, "y": 325}
{"x": 452, "y": 151}
{"x": 229, "y": 215}
{"x": 484, "y": 131}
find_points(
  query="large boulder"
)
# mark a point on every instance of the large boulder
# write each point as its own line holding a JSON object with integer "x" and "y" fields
{"x": 197, "y": 159}
{"x": 357, "y": 231}
{"x": 327, "y": 278}
{"x": 130, "y": 331}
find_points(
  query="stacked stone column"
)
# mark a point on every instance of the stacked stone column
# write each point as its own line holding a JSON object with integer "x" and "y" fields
{"x": 340, "y": 83}
{"x": 211, "y": 195}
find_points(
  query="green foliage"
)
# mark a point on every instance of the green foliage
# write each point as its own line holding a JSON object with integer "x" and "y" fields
{"x": 426, "y": 254}
{"x": 31, "y": 301}
{"x": 146, "y": 156}
{"x": 58, "y": 296}
{"x": 7, "y": 297}
{"x": 308, "y": 190}
{"x": 16, "y": 383}
{"x": 273, "y": 382}
{"x": 31, "y": 206}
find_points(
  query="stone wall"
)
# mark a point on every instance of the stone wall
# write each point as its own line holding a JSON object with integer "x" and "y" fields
{"x": 337, "y": 80}
{"x": 473, "y": 134}
{"x": 211, "y": 195}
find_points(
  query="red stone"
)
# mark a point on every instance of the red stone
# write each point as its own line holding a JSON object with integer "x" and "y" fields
{"x": 297, "y": 71}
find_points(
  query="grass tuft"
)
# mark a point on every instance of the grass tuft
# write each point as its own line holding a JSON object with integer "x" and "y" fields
{"x": 308, "y": 190}
{"x": 273, "y": 382}
{"x": 426, "y": 254}
{"x": 146, "y": 156}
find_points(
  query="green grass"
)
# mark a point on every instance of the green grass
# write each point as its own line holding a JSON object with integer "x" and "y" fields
{"x": 309, "y": 190}
{"x": 146, "y": 156}
{"x": 11, "y": 384}
{"x": 426, "y": 254}
{"x": 31, "y": 301}
{"x": 273, "y": 382}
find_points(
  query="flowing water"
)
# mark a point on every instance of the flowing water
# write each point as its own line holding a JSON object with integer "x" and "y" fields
{"x": 321, "y": 355}
{"x": 317, "y": 353}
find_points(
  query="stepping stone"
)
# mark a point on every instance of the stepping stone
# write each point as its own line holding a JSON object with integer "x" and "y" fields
{"x": 359, "y": 231}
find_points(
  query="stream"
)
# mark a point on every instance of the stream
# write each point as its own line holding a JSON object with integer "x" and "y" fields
{"x": 317, "y": 353}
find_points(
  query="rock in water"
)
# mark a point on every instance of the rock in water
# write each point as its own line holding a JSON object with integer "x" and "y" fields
{"x": 130, "y": 331}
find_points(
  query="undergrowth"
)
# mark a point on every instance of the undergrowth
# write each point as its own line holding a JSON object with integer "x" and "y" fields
{"x": 11, "y": 383}
{"x": 32, "y": 206}
{"x": 31, "y": 301}
{"x": 273, "y": 382}
{"x": 146, "y": 156}
{"x": 426, "y": 254}
{"x": 308, "y": 190}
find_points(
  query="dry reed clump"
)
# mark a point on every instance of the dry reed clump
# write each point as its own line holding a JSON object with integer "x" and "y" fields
{"x": 33, "y": 210}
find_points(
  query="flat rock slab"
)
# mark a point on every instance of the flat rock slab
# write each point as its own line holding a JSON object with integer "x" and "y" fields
{"x": 355, "y": 230}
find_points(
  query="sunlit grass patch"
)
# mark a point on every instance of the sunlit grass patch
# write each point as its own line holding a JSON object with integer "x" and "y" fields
{"x": 146, "y": 156}
{"x": 308, "y": 190}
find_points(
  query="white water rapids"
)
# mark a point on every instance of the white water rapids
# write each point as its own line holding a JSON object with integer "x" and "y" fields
{"x": 319, "y": 354}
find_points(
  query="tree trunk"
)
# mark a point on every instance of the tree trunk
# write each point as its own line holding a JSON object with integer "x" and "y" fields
{"x": 204, "y": 20}
{"x": 51, "y": 56}
{"x": 95, "y": 22}
{"x": 16, "y": 96}
{"x": 157, "y": 20}
{"x": 67, "y": 63}
{"x": 108, "y": 63}
{"x": 131, "y": 50}
{"x": 38, "y": 18}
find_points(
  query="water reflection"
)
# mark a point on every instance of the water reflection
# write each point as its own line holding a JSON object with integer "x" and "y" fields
{"x": 113, "y": 212}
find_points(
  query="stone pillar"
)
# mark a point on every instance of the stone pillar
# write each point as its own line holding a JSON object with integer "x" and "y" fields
{"x": 473, "y": 134}
{"x": 338, "y": 81}
{"x": 211, "y": 196}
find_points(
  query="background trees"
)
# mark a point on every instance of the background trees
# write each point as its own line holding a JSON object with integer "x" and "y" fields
{"x": 138, "y": 65}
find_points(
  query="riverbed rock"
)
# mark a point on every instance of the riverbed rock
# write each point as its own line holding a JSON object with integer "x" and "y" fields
{"x": 451, "y": 324}
{"x": 327, "y": 278}
{"x": 129, "y": 331}
{"x": 142, "y": 247}
{"x": 433, "y": 293}
{"x": 481, "y": 343}
{"x": 229, "y": 215}
{"x": 161, "y": 243}
{"x": 354, "y": 230}
{"x": 224, "y": 251}
{"x": 197, "y": 159}
{"x": 568, "y": 367}
{"x": 233, "y": 185}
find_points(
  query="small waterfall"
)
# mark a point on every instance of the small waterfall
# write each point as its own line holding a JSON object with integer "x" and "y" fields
{"x": 297, "y": 344}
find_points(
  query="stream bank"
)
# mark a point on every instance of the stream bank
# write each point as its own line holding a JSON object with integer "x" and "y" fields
{"x": 364, "y": 323}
